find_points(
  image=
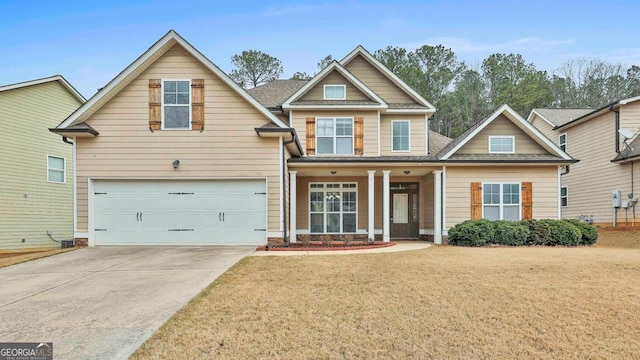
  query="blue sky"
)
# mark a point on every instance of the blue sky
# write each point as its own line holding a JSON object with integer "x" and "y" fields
{"x": 90, "y": 42}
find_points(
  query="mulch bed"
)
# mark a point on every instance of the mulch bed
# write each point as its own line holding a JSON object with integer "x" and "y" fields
{"x": 317, "y": 246}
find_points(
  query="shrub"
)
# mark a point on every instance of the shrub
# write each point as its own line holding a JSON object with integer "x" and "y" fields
{"x": 589, "y": 232}
{"x": 539, "y": 232}
{"x": 472, "y": 233}
{"x": 562, "y": 233}
{"x": 511, "y": 233}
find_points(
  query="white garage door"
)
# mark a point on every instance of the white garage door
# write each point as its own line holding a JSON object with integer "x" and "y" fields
{"x": 146, "y": 212}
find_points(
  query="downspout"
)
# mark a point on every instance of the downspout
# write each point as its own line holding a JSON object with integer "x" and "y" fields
{"x": 617, "y": 128}
{"x": 566, "y": 170}
{"x": 65, "y": 139}
{"x": 284, "y": 189}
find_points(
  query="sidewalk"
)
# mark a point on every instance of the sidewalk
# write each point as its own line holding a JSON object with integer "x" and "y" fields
{"x": 399, "y": 246}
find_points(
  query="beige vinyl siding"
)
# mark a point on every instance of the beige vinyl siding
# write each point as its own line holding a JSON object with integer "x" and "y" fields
{"x": 30, "y": 204}
{"x": 545, "y": 128}
{"x": 502, "y": 126}
{"x": 591, "y": 181}
{"x": 459, "y": 179}
{"x": 378, "y": 82}
{"x": 227, "y": 148}
{"x": 370, "y": 126}
{"x": 417, "y": 139}
{"x": 335, "y": 78}
{"x": 426, "y": 205}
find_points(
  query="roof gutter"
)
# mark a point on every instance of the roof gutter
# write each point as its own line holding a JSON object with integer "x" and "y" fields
{"x": 617, "y": 127}
{"x": 291, "y": 131}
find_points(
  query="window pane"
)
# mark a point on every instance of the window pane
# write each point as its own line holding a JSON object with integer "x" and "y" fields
{"x": 183, "y": 86}
{"x": 325, "y": 145}
{"x": 170, "y": 99}
{"x": 170, "y": 87}
{"x": 183, "y": 99}
{"x": 563, "y": 191}
{"x": 333, "y": 201}
{"x": 317, "y": 202}
{"x": 333, "y": 223}
{"x": 56, "y": 163}
{"x": 492, "y": 212}
{"x": 344, "y": 127}
{"x": 564, "y": 201}
{"x": 491, "y": 193}
{"x": 511, "y": 213}
{"x": 349, "y": 223}
{"x": 349, "y": 201}
{"x": 324, "y": 127}
{"x": 56, "y": 176}
{"x": 344, "y": 145}
{"x": 317, "y": 223}
{"x": 176, "y": 117}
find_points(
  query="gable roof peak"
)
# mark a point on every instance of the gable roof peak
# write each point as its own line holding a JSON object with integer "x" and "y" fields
{"x": 58, "y": 78}
{"x": 145, "y": 60}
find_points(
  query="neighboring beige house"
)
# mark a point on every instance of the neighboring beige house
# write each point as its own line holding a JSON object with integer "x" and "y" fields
{"x": 36, "y": 181}
{"x": 172, "y": 151}
{"x": 597, "y": 138}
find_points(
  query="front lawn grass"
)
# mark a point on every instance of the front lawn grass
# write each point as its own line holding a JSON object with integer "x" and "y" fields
{"x": 8, "y": 259}
{"x": 444, "y": 303}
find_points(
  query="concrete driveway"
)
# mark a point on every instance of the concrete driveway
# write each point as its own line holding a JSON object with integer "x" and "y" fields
{"x": 103, "y": 303}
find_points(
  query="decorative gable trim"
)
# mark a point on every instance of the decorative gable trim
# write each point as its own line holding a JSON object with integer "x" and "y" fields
{"x": 144, "y": 61}
{"x": 287, "y": 104}
{"x": 360, "y": 50}
{"x": 516, "y": 119}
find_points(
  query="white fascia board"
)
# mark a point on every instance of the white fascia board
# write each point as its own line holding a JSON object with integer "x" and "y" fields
{"x": 330, "y": 107}
{"x": 170, "y": 36}
{"x": 629, "y": 100}
{"x": 535, "y": 113}
{"x": 322, "y": 74}
{"x": 361, "y": 50}
{"x": 409, "y": 111}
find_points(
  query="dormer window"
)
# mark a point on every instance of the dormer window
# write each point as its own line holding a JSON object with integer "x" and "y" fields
{"x": 335, "y": 92}
{"x": 502, "y": 144}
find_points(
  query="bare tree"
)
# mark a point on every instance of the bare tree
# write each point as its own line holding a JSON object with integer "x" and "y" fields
{"x": 255, "y": 68}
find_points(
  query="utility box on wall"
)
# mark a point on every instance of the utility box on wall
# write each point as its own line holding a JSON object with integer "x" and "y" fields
{"x": 615, "y": 198}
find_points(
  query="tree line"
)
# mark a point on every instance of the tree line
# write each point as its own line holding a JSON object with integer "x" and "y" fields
{"x": 466, "y": 94}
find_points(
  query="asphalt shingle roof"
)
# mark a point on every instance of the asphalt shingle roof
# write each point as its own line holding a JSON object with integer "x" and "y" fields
{"x": 274, "y": 93}
{"x": 562, "y": 116}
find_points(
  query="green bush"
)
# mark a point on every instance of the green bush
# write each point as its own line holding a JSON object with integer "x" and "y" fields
{"x": 539, "y": 232}
{"x": 472, "y": 233}
{"x": 511, "y": 233}
{"x": 562, "y": 233}
{"x": 589, "y": 232}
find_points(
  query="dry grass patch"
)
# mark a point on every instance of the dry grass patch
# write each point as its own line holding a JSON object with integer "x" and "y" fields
{"x": 629, "y": 239}
{"x": 443, "y": 303}
{"x": 7, "y": 259}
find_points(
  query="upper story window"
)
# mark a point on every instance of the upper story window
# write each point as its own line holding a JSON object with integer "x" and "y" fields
{"x": 501, "y": 201}
{"x": 400, "y": 130}
{"x": 335, "y": 92}
{"x": 562, "y": 141}
{"x": 55, "y": 169}
{"x": 502, "y": 144}
{"x": 334, "y": 135}
{"x": 176, "y": 104}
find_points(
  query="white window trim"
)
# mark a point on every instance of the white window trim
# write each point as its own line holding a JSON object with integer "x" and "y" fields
{"x": 324, "y": 92}
{"x": 64, "y": 170}
{"x": 408, "y": 134}
{"x": 325, "y": 212}
{"x": 561, "y": 144}
{"x": 513, "y": 141}
{"x": 501, "y": 205}
{"x": 335, "y": 143}
{"x": 566, "y": 196}
{"x": 163, "y": 105}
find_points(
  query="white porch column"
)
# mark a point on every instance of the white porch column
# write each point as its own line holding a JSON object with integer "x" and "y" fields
{"x": 437, "y": 206}
{"x": 385, "y": 206}
{"x": 371, "y": 205}
{"x": 292, "y": 206}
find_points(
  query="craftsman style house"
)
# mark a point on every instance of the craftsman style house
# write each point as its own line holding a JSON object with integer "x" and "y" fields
{"x": 36, "y": 180}
{"x": 600, "y": 188}
{"x": 172, "y": 151}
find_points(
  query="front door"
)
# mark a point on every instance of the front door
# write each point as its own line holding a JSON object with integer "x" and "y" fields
{"x": 404, "y": 211}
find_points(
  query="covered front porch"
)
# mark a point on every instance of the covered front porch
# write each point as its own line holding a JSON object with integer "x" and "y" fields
{"x": 374, "y": 201}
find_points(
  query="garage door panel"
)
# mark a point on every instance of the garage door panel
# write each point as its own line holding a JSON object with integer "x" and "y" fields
{"x": 180, "y": 212}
